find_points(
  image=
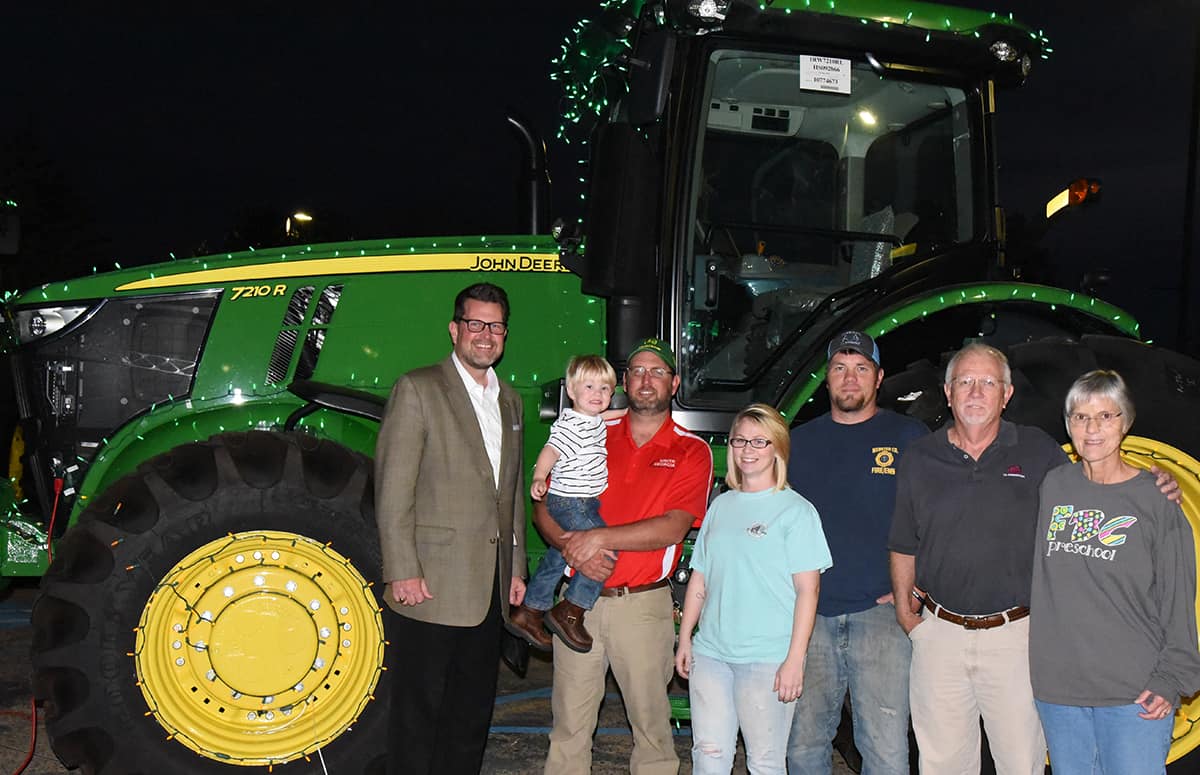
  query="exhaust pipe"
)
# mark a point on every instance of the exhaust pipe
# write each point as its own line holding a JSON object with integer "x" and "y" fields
{"x": 533, "y": 188}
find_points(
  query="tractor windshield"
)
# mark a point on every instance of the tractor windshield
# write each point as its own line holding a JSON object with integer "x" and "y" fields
{"x": 812, "y": 175}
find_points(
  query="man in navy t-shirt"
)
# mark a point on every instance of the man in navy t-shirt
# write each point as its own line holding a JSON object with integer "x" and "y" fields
{"x": 845, "y": 462}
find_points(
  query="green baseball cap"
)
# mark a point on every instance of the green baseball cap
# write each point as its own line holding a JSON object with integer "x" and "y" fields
{"x": 656, "y": 346}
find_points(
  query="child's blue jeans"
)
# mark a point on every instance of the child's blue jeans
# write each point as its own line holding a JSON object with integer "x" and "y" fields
{"x": 569, "y": 514}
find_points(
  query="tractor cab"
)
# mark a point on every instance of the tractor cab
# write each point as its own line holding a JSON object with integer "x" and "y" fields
{"x": 812, "y": 175}
{"x": 770, "y": 172}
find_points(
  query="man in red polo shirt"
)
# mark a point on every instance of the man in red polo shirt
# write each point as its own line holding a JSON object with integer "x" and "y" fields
{"x": 659, "y": 477}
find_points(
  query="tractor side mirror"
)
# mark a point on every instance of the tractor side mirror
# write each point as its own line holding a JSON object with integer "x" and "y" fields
{"x": 650, "y": 76}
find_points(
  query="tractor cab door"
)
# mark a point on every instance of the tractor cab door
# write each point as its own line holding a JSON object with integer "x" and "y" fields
{"x": 812, "y": 175}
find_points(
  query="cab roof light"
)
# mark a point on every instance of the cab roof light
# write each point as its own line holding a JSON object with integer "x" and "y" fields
{"x": 709, "y": 10}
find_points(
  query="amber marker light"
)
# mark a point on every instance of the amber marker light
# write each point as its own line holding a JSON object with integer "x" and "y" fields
{"x": 1077, "y": 193}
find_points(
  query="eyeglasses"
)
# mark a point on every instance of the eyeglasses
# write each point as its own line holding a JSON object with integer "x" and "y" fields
{"x": 477, "y": 326}
{"x": 658, "y": 372}
{"x": 1103, "y": 419}
{"x": 737, "y": 442}
{"x": 984, "y": 383}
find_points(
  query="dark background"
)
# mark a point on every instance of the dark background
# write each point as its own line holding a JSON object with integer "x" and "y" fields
{"x": 132, "y": 132}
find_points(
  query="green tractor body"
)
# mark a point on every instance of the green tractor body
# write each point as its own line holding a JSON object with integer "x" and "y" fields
{"x": 156, "y": 357}
{"x": 192, "y": 471}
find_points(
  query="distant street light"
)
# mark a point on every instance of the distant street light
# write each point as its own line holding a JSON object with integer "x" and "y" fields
{"x": 291, "y": 227}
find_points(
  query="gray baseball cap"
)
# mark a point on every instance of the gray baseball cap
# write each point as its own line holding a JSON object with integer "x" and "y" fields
{"x": 854, "y": 341}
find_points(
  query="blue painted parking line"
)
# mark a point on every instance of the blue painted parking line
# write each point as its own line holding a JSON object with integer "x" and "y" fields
{"x": 519, "y": 731}
{"x": 532, "y": 694}
{"x": 14, "y": 616}
{"x": 537, "y": 694}
{"x": 544, "y": 693}
{"x": 513, "y": 730}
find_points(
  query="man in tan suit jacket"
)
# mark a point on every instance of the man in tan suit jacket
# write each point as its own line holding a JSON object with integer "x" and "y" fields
{"x": 449, "y": 497}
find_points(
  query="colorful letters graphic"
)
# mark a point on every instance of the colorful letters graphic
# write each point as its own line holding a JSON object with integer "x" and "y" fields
{"x": 1087, "y": 524}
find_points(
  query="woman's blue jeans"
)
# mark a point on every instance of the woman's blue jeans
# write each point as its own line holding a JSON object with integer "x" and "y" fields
{"x": 726, "y": 696}
{"x": 1109, "y": 740}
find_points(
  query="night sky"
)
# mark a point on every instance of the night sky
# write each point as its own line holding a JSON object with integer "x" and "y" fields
{"x": 1114, "y": 102}
{"x": 160, "y": 130}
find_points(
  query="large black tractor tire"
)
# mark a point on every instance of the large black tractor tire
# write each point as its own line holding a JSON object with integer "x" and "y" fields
{"x": 1165, "y": 386}
{"x": 108, "y": 573}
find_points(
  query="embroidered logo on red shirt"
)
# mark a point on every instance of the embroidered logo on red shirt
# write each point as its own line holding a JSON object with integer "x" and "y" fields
{"x": 664, "y": 462}
{"x": 1014, "y": 471}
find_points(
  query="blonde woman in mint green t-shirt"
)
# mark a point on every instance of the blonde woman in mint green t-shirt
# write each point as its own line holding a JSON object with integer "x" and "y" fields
{"x": 753, "y": 591}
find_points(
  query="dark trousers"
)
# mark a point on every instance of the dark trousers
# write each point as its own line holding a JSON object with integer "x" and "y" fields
{"x": 443, "y": 690}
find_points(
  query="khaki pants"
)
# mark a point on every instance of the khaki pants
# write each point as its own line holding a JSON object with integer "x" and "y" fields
{"x": 635, "y": 636}
{"x": 959, "y": 675}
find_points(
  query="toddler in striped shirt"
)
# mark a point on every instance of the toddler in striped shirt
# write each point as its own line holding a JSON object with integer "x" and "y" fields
{"x": 576, "y": 461}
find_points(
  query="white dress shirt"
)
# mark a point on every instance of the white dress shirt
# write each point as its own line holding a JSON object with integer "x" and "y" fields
{"x": 486, "y": 402}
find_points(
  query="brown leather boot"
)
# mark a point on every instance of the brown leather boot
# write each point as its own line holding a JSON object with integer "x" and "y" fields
{"x": 526, "y": 624}
{"x": 566, "y": 621}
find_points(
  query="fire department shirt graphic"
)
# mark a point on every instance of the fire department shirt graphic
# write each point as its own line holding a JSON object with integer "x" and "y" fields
{"x": 885, "y": 458}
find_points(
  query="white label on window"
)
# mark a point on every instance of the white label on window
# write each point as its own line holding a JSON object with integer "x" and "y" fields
{"x": 825, "y": 74}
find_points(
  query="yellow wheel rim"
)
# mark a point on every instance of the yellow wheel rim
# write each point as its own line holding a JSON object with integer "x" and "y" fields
{"x": 259, "y": 648}
{"x": 1143, "y": 453}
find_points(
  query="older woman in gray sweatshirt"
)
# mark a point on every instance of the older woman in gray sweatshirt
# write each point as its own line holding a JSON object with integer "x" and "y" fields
{"x": 1112, "y": 643}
